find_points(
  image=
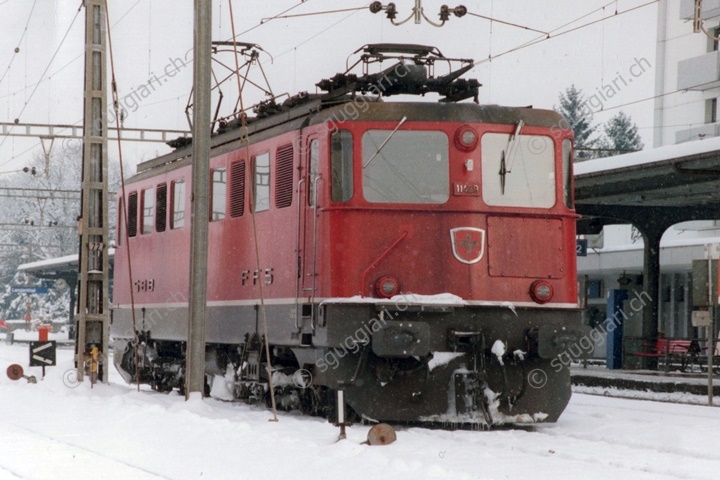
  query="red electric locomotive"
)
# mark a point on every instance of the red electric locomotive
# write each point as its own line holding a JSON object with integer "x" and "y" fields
{"x": 418, "y": 256}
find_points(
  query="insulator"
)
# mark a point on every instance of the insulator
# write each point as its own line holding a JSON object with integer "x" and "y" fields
{"x": 391, "y": 11}
{"x": 444, "y": 13}
{"x": 376, "y": 7}
{"x": 460, "y": 11}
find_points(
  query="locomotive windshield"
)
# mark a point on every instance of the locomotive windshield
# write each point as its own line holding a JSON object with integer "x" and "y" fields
{"x": 405, "y": 166}
{"x": 520, "y": 175}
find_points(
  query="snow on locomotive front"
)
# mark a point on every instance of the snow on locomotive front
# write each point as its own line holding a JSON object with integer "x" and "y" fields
{"x": 418, "y": 256}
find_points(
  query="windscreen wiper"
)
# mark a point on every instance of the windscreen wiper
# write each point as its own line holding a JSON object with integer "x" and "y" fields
{"x": 507, "y": 157}
{"x": 385, "y": 142}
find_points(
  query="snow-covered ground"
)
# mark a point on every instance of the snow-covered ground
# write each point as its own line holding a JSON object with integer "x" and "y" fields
{"x": 57, "y": 429}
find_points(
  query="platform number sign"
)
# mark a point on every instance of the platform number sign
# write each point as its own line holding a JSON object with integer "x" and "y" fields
{"x": 581, "y": 247}
{"x": 42, "y": 354}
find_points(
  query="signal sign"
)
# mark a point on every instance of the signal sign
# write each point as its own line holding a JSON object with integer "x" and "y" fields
{"x": 581, "y": 246}
{"x": 42, "y": 354}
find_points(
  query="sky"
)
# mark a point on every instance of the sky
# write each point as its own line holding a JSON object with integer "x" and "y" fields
{"x": 152, "y": 43}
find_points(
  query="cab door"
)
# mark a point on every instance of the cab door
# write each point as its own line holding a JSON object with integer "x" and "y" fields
{"x": 309, "y": 199}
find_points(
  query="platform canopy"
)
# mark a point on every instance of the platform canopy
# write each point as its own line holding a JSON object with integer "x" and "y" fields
{"x": 65, "y": 268}
{"x": 57, "y": 265}
{"x": 651, "y": 188}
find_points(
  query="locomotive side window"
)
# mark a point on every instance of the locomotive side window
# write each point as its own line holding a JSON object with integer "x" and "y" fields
{"x": 341, "y": 160}
{"x": 178, "y": 204}
{"x": 567, "y": 172}
{"x": 518, "y": 171}
{"x": 237, "y": 189}
{"x": 219, "y": 179}
{"x": 161, "y": 211}
{"x": 261, "y": 170}
{"x": 132, "y": 214}
{"x": 284, "y": 176}
{"x": 148, "y": 208}
{"x": 405, "y": 166}
{"x": 314, "y": 168}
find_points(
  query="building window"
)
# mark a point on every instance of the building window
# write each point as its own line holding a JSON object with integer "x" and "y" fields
{"x": 178, "y": 204}
{"x": 712, "y": 45}
{"x": 261, "y": 173}
{"x": 148, "y": 208}
{"x": 711, "y": 110}
{"x": 219, "y": 187}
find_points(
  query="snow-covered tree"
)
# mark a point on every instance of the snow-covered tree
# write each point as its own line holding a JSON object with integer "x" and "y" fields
{"x": 621, "y": 136}
{"x": 574, "y": 107}
{"x": 39, "y": 212}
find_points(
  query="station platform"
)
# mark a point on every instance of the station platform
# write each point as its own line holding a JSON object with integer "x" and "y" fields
{"x": 643, "y": 380}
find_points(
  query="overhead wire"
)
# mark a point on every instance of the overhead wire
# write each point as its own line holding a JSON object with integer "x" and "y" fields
{"x": 551, "y": 36}
{"x": 491, "y": 19}
{"x": 546, "y": 35}
{"x": 310, "y": 14}
{"x": 42, "y": 79}
{"x": 22, "y": 36}
{"x": 264, "y": 21}
{"x": 317, "y": 34}
{"x": 55, "y": 72}
{"x": 43, "y": 74}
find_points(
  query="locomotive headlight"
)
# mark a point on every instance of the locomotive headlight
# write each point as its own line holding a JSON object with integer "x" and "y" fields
{"x": 541, "y": 291}
{"x": 466, "y": 138}
{"x": 387, "y": 287}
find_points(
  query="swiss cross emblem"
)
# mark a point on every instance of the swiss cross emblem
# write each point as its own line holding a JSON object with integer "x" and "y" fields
{"x": 468, "y": 244}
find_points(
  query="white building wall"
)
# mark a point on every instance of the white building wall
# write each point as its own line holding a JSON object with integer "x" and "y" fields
{"x": 682, "y": 116}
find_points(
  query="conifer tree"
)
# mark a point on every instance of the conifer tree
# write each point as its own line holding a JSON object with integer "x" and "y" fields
{"x": 574, "y": 107}
{"x": 622, "y": 135}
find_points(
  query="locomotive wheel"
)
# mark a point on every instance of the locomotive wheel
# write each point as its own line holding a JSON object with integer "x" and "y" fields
{"x": 312, "y": 400}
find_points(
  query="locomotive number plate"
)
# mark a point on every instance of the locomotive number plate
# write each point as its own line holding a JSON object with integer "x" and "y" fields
{"x": 466, "y": 189}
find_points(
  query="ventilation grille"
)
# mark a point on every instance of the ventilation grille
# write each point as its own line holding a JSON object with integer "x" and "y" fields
{"x": 237, "y": 189}
{"x": 161, "y": 212}
{"x": 132, "y": 214}
{"x": 284, "y": 177}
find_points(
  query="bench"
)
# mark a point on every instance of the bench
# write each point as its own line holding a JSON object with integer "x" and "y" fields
{"x": 682, "y": 352}
{"x": 663, "y": 347}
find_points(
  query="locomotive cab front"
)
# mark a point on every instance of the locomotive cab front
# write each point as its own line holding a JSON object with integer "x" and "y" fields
{"x": 440, "y": 234}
